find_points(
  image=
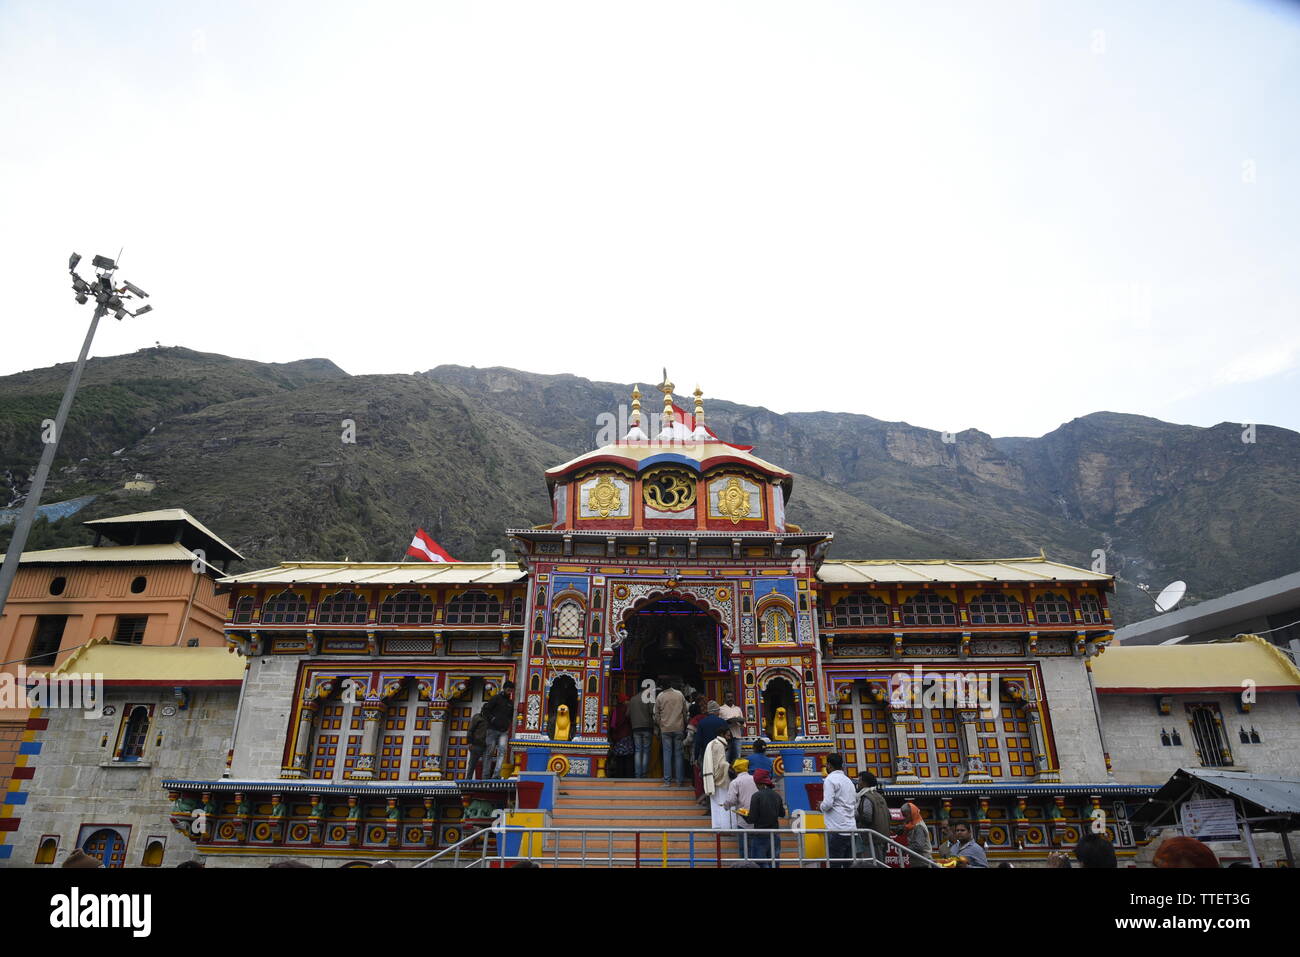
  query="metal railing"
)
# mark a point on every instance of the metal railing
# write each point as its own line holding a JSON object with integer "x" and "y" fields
{"x": 668, "y": 847}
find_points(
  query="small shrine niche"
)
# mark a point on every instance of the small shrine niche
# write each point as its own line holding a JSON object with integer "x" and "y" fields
{"x": 780, "y": 701}
{"x": 563, "y": 692}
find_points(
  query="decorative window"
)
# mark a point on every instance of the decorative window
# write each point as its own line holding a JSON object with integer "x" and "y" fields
{"x": 343, "y": 608}
{"x": 1207, "y": 731}
{"x": 106, "y": 843}
{"x": 1052, "y": 609}
{"x": 1005, "y": 743}
{"x": 1090, "y": 608}
{"x": 243, "y": 611}
{"x": 286, "y": 608}
{"x": 138, "y": 585}
{"x": 775, "y": 626}
{"x": 996, "y": 609}
{"x": 135, "y": 729}
{"x": 46, "y": 641}
{"x": 474, "y": 608}
{"x": 860, "y": 611}
{"x": 862, "y": 734}
{"x": 130, "y": 630}
{"x": 517, "y": 611}
{"x": 934, "y": 743}
{"x": 407, "y": 608}
{"x": 928, "y": 608}
{"x": 566, "y": 621}
{"x": 58, "y": 585}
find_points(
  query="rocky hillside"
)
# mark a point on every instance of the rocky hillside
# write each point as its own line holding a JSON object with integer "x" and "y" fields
{"x": 258, "y": 452}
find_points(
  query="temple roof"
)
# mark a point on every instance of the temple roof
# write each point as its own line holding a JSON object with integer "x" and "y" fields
{"x": 166, "y": 665}
{"x": 1020, "y": 570}
{"x": 123, "y": 554}
{"x": 1214, "y": 666}
{"x": 382, "y": 573}
{"x": 161, "y": 526}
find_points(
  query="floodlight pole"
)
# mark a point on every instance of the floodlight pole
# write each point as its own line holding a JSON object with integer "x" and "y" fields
{"x": 106, "y": 298}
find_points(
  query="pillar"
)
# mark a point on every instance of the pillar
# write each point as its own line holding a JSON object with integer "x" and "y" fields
{"x": 373, "y": 714}
{"x": 904, "y": 770}
{"x": 976, "y": 771}
{"x": 300, "y": 767}
{"x": 432, "y": 768}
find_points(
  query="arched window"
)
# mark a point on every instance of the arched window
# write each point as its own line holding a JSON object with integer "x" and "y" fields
{"x": 774, "y": 626}
{"x": 996, "y": 609}
{"x": 860, "y": 611}
{"x": 48, "y": 849}
{"x": 108, "y": 845}
{"x": 406, "y": 608}
{"x": 343, "y": 608}
{"x": 474, "y": 608}
{"x": 153, "y": 855}
{"x": 286, "y": 608}
{"x": 566, "y": 621}
{"x": 134, "y": 734}
{"x": 1052, "y": 609}
{"x": 243, "y": 611}
{"x": 1090, "y": 608}
{"x": 517, "y": 611}
{"x": 928, "y": 608}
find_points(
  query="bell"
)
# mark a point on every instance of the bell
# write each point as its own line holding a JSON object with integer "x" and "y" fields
{"x": 671, "y": 644}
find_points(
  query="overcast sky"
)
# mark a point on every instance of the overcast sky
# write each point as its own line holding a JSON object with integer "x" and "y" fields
{"x": 990, "y": 215}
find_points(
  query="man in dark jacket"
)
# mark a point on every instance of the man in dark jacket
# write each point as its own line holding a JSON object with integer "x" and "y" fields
{"x": 641, "y": 715}
{"x": 872, "y": 812}
{"x": 500, "y": 713}
{"x": 765, "y": 812}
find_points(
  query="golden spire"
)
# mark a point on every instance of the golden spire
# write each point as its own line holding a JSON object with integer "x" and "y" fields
{"x": 699, "y": 406}
{"x": 666, "y": 388}
{"x": 636, "y": 405}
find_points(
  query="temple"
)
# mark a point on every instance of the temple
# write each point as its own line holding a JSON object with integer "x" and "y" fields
{"x": 334, "y": 726}
{"x": 669, "y": 557}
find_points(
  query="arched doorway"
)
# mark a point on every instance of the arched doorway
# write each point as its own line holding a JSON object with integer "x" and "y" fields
{"x": 673, "y": 639}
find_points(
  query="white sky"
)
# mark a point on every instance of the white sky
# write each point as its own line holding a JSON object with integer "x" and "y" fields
{"x": 999, "y": 215}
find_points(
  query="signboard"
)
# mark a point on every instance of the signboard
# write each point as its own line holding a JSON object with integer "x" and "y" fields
{"x": 1214, "y": 820}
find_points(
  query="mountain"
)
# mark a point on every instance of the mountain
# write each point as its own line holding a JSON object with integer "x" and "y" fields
{"x": 258, "y": 452}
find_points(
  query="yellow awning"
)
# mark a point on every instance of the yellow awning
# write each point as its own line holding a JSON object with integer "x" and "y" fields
{"x": 1216, "y": 666}
{"x": 155, "y": 664}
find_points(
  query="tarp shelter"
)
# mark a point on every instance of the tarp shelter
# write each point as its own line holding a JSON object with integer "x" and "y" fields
{"x": 1263, "y": 802}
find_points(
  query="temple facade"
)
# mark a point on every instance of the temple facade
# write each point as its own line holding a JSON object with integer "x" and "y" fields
{"x": 964, "y": 685}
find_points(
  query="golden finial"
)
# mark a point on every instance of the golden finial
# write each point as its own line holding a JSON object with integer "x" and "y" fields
{"x": 636, "y": 404}
{"x": 699, "y": 406}
{"x": 666, "y": 388}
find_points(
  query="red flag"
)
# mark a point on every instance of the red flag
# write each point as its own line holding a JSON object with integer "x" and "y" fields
{"x": 425, "y": 549}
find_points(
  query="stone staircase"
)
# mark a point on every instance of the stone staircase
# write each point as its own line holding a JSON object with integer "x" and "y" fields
{"x": 641, "y": 803}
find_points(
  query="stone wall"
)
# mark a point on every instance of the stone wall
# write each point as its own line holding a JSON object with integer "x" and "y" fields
{"x": 265, "y": 716}
{"x": 1132, "y": 725}
{"x": 76, "y": 783}
{"x": 1074, "y": 720}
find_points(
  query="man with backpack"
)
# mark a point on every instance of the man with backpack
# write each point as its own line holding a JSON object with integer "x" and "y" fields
{"x": 872, "y": 812}
{"x": 478, "y": 726}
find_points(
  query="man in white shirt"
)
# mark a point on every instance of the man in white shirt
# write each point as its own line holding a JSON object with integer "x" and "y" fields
{"x": 730, "y": 712}
{"x": 839, "y": 801}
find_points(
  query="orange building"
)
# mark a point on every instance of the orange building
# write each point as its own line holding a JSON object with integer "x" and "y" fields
{"x": 148, "y": 579}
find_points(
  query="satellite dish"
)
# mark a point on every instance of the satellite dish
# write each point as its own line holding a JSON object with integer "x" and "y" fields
{"x": 1171, "y": 596}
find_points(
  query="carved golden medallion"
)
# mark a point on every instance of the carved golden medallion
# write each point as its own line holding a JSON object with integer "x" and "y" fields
{"x": 604, "y": 497}
{"x": 668, "y": 491}
{"x": 733, "y": 501}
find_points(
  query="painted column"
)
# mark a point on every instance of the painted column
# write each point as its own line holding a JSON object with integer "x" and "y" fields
{"x": 432, "y": 768}
{"x": 976, "y": 771}
{"x": 373, "y": 714}
{"x": 300, "y": 766}
{"x": 904, "y": 770}
{"x": 1047, "y": 774}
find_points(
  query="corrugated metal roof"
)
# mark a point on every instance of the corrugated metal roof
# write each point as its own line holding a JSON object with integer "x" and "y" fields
{"x": 381, "y": 573}
{"x": 155, "y": 663}
{"x": 1262, "y": 794}
{"x": 1277, "y": 795}
{"x": 1202, "y": 667}
{"x": 941, "y": 570}
{"x": 124, "y": 554}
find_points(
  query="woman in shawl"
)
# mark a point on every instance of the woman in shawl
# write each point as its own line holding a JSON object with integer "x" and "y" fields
{"x": 915, "y": 834}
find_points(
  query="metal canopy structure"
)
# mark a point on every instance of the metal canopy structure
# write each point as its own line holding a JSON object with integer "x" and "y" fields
{"x": 1264, "y": 802}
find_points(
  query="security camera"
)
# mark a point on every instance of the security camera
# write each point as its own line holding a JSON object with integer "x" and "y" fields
{"x": 103, "y": 262}
{"x": 73, "y": 260}
{"x": 142, "y": 310}
{"x": 134, "y": 290}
